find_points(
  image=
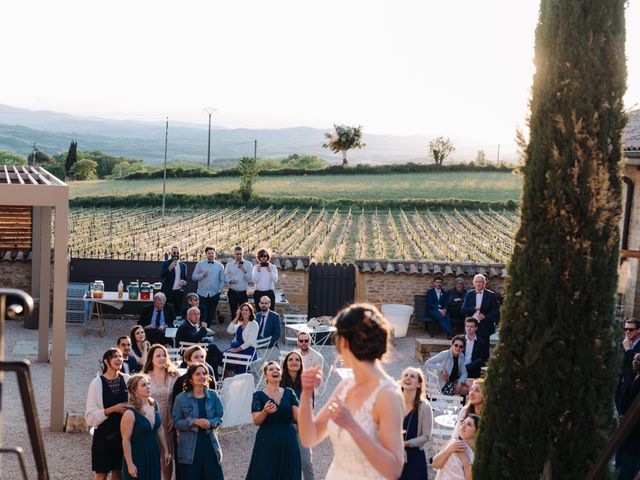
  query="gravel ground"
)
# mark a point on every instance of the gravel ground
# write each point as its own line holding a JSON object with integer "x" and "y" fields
{"x": 69, "y": 455}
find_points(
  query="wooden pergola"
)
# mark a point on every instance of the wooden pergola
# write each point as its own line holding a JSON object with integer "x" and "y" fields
{"x": 37, "y": 188}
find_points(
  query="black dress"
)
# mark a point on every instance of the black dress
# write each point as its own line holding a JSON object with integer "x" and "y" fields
{"x": 106, "y": 449}
{"x": 416, "y": 465}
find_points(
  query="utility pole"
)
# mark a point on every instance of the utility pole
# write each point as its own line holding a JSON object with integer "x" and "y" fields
{"x": 255, "y": 149}
{"x": 498, "y": 159}
{"x": 209, "y": 111}
{"x": 164, "y": 181}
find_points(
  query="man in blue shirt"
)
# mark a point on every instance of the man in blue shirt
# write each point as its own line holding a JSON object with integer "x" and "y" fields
{"x": 210, "y": 276}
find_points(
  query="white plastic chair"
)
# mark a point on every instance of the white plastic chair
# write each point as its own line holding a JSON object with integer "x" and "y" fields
{"x": 292, "y": 319}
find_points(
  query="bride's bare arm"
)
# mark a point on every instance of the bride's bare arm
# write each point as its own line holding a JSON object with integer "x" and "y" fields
{"x": 312, "y": 430}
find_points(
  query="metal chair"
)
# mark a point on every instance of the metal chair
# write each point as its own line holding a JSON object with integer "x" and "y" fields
{"x": 175, "y": 355}
{"x": 292, "y": 319}
{"x": 261, "y": 345}
{"x": 231, "y": 358}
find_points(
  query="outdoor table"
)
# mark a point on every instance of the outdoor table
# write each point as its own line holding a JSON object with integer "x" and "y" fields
{"x": 344, "y": 372}
{"x": 448, "y": 420}
{"x": 313, "y": 332}
{"x": 109, "y": 298}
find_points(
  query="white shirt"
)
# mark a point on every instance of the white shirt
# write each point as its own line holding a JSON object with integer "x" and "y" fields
{"x": 478, "y": 303}
{"x": 468, "y": 349}
{"x": 265, "y": 280}
{"x": 242, "y": 279}
{"x": 176, "y": 281}
{"x": 311, "y": 359}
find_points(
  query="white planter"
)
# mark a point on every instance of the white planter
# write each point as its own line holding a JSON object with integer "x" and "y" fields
{"x": 398, "y": 317}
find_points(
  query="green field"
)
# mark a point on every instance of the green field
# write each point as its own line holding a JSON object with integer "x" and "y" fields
{"x": 486, "y": 186}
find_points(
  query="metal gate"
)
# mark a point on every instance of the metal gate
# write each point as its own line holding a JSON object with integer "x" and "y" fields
{"x": 331, "y": 287}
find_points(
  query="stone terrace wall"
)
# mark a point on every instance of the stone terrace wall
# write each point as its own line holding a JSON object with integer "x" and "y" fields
{"x": 16, "y": 275}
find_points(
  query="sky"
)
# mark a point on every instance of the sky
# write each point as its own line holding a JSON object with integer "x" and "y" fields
{"x": 458, "y": 68}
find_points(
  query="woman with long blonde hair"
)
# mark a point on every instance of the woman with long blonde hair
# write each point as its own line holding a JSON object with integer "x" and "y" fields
{"x": 162, "y": 375}
{"x": 417, "y": 424}
{"x": 141, "y": 433}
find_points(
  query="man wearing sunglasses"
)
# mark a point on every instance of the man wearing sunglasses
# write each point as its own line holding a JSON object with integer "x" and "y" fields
{"x": 630, "y": 346}
{"x": 265, "y": 277}
{"x": 310, "y": 357}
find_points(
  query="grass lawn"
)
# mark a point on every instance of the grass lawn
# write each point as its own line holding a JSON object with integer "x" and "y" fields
{"x": 487, "y": 186}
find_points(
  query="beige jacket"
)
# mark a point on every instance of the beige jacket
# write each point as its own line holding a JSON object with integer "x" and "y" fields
{"x": 425, "y": 424}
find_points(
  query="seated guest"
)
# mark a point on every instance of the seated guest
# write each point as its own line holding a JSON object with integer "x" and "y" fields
{"x": 454, "y": 461}
{"x": 482, "y": 304}
{"x": 629, "y": 455}
{"x": 129, "y": 362}
{"x": 193, "y": 300}
{"x": 268, "y": 322}
{"x": 245, "y": 333}
{"x": 192, "y": 331}
{"x": 140, "y": 346}
{"x": 437, "y": 305}
{"x": 450, "y": 367}
{"x": 456, "y": 298}
{"x": 192, "y": 356}
{"x": 476, "y": 350}
{"x": 156, "y": 318}
{"x": 474, "y": 405}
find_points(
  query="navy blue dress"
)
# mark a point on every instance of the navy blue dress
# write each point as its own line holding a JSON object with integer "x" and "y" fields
{"x": 145, "y": 451}
{"x": 416, "y": 465}
{"x": 235, "y": 343}
{"x": 276, "y": 454}
{"x": 106, "y": 447}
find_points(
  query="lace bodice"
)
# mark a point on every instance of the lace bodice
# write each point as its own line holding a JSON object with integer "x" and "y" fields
{"x": 349, "y": 463}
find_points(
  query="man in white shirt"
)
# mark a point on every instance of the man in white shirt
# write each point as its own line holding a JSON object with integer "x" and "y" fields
{"x": 265, "y": 277}
{"x": 476, "y": 351}
{"x": 239, "y": 274}
{"x": 310, "y": 357}
{"x": 210, "y": 276}
{"x": 482, "y": 304}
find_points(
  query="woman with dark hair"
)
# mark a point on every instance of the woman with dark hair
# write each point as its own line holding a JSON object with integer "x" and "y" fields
{"x": 162, "y": 375}
{"x": 292, "y": 368}
{"x": 454, "y": 461}
{"x": 195, "y": 354}
{"x": 197, "y": 413}
{"x": 106, "y": 402}
{"x": 245, "y": 333}
{"x": 141, "y": 433}
{"x": 265, "y": 277}
{"x": 450, "y": 368}
{"x": 368, "y": 405}
{"x": 275, "y": 453}
{"x": 417, "y": 424}
{"x": 139, "y": 345}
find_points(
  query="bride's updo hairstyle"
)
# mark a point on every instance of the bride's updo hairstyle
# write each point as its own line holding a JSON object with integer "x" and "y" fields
{"x": 365, "y": 330}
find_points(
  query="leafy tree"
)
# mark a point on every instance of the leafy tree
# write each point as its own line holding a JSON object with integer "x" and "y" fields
{"x": 342, "y": 139}
{"x": 10, "y": 158}
{"x": 38, "y": 157}
{"x": 440, "y": 148}
{"x": 72, "y": 156}
{"x": 124, "y": 168}
{"x": 308, "y": 162}
{"x": 55, "y": 168}
{"x": 481, "y": 158}
{"x": 84, "y": 170}
{"x": 269, "y": 164}
{"x": 521, "y": 146}
{"x": 549, "y": 391}
{"x": 249, "y": 170}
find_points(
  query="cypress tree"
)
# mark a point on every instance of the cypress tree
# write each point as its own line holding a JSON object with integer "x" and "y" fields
{"x": 72, "y": 156}
{"x": 549, "y": 391}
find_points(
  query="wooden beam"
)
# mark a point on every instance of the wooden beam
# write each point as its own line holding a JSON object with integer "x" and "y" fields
{"x": 630, "y": 253}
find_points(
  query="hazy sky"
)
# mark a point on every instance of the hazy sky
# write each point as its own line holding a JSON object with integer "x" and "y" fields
{"x": 460, "y": 68}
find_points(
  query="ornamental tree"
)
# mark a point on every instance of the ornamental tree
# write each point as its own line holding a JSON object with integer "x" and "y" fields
{"x": 440, "y": 148}
{"x": 342, "y": 139}
{"x": 549, "y": 390}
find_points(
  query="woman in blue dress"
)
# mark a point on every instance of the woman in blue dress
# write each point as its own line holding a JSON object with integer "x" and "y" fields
{"x": 276, "y": 454}
{"x": 197, "y": 413}
{"x": 417, "y": 424}
{"x": 245, "y": 331}
{"x": 141, "y": 433}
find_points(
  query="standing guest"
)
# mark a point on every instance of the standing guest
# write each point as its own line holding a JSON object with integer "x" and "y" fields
{"x": 630, "y": 346}
{"x": 197, "y": 413}
{"x": 210, "y": 276}
{"x": 155, "y": 319}
{"x": 194, "y": 355}
{"x": 129, "y": 362}
{"x": 275, "y": 453}
{"x": 455, "y": 460}
{"x": 310, "y": 357}
{"x": 245, "y": 334}
{"x": 139, "y": 345}
{"x": 162, "y": 375}
{"x": 265, "y": 277}
{"x": 292, "y": 368}
{"x": 456, "y": 298}
{"x": 474, "y": 405}
{"x": 174, "y": 279}
{"x": 141, "y": 433}
{"x": 476, "y": 350}
{"x": 239, "y": 274}
{"x": 437, "y": 305}
{"x": 368, "y": 442}
{"x": 193, "y": 331}
{"x": 450, "y": 367}
{"x": 417, "y": 424}
{"x": 268, "y": 322}
{"x": 628, "y": 460}
{"x": 106, "y": 402}
{"x": 482, "y": 304}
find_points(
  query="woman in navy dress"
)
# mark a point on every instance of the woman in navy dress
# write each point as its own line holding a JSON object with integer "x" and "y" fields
{"x": 276, "y": 454}
{"x": 141, "y": 433}
{"x": 417, "y": 424}
{"x": 245, "y": 331}
{"x": 106, "y": 402}
{"x": 197, "y": 413}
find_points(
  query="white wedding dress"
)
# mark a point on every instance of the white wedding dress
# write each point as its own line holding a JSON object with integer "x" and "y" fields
{"x": 349, "y": 463}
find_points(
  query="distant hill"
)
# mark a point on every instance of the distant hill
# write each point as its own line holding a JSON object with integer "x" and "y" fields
{"x": 52, "y": 132}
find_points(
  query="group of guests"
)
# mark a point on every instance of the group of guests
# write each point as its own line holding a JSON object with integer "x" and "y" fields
{"x": 458, "y": 304}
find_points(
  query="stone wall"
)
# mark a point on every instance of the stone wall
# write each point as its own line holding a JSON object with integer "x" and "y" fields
{"x": 16, "y": 275}
{"x": 629, "y": 273}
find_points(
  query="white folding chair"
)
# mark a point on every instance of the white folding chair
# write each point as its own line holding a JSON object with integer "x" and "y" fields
{"x": 236, "y": 396}
{"x": 262, "y": 354}
{"x": 232, "y": 358}
{"x": 175, "y": 355}
{"x": 292, "y": 319}
{"x": 185, "y": 345}
{"x": 442, "y": 404}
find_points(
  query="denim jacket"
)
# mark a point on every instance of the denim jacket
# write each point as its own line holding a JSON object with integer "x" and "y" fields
{"x": 185, "y": 411}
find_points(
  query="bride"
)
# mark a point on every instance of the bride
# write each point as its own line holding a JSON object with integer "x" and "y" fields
{"x": 364, "y": 416}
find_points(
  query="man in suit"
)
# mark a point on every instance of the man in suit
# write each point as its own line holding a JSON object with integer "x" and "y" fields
{"x": 482, "y": 305}
{"x": 174, "y": 279}
{"x": 268, "y": 321}
{"x": 630, "y": 346}
{"x": 156, "y": 318}
{"x": 437, "y": 305}
{"x": 476, "y": 351}
{"x": 193, "y": 331}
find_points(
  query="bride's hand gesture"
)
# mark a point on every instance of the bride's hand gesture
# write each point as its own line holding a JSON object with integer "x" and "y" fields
{"x": 340, "y": 413}
{"x": 311, "y": 378}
